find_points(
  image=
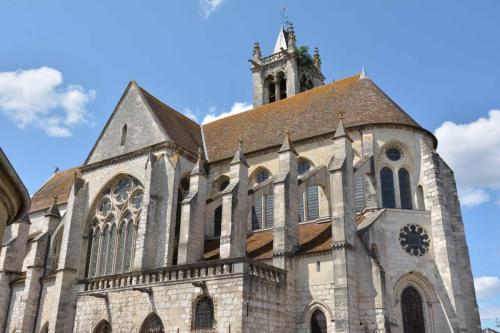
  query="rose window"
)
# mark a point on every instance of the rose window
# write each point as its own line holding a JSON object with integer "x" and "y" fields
{"x": 414, "y": 240}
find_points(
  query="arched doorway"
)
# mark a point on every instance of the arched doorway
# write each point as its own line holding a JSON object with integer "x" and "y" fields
{"x": 413, "y": 311}
{"x": 103, "y": 327}
{"x": 152, "y": 324}
{"x": 318, "y": 322}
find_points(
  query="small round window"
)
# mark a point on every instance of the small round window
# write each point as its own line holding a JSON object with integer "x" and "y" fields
{"x": 261, "y": 176}
{"x": 393, "y": 153}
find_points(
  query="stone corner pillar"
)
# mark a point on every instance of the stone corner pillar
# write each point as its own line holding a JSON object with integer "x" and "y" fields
{"x": 234, "y": 209}
{"x": 286, "y": 198}
{"x": 192, "y": 232}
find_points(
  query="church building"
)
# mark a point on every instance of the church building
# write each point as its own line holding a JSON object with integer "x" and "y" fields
{"x": 325, "y": 208}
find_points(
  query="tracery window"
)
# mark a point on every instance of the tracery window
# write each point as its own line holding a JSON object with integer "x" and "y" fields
{"x": 387, "y": 186}
{"x": 318, "y": 322}
{"x": 152, "y": 324}
{"x": 261, "y": 176}
{"x": 404, "y": 189}
{"x": 204, "y": 313}
{"x": 413, "y": 311}
{"x": 113, "y": 228}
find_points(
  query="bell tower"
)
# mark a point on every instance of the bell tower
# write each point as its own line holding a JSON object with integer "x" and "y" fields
{"x": 288, "y": 71}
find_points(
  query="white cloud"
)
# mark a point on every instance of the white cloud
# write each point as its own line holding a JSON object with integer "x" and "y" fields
{"x": 190, "y": 114}
{"x": 238, "y": 107}
{"x": 473, "y": 152}
{"x": 473, "y": 196}
{"x": 489, "y": 312}
{"x": 208, "y": 7}
{"x": 487, "y": 287}
{"x": 36, "y": 97}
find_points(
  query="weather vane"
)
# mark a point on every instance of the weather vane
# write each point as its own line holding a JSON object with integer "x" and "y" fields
{"x": 284, "y": 17}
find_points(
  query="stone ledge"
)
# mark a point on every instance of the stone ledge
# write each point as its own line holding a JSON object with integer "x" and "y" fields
{"x": 242, "y": 266}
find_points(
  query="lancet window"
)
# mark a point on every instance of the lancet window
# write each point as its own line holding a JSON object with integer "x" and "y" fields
{"x": 112, "y": 230}
{"x": 204, "y": 313}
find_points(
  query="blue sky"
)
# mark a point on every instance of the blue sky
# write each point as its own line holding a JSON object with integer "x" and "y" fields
{"x": 65, "y": 64}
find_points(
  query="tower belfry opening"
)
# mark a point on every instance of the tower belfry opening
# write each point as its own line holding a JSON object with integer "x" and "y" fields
{"x": 288, "y": 71}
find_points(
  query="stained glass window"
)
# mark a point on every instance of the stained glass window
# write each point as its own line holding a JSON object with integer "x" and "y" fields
{"x": 413, "y": 312}
{"x": 387, "y": 185}
{"x": 204, "y": 313}
{"x": 121, "y": 247}
{"x": 414, "y": 240}
{"x": 303, "y": 166}
{"x": 404, "y": 189}
{"x": 261, "y": 176}
{"x": 111, "y": 248}
{"x": 393, "y": 153}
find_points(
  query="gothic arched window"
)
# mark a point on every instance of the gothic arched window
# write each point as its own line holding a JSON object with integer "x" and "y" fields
{"x": 103, "y": 327}
{"x": 271, "y": 88}
{"x": 387, "y": 187}
{"x": 318, "y": 322}
{"x": 111, "y": 245}
{"x": 282, "y": 85}
{"x": 152, "y": 324}
{"x": 420, "y": 198}
{"x": 405, "y": 189}
{"x": 124, "y": 135}
{"x": 413, "y": 311}
{"x": 204, "y": 313}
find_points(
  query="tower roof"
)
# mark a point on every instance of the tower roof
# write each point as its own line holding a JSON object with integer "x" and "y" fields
{"x": 281, "y": 41}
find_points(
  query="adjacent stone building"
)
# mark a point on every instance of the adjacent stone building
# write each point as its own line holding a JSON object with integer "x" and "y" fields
{"x": 324, "y": 209}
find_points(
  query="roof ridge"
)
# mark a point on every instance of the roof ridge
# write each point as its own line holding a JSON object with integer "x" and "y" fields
{"x": 302, "y": 94}
{"x": 168, "y": 106}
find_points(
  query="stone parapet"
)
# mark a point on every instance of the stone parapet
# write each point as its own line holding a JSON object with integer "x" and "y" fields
{"x": 181, "y": 273}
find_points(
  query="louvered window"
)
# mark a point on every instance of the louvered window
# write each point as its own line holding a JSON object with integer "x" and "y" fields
{"x": 263, "y": 212}
{"x": 269, "y": 211}
{"x": 312, "y": 203}
{"x": 257, "y": 214}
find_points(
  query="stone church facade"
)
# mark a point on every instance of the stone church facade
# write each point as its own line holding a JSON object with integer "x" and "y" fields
{"x": 326, "y": 208}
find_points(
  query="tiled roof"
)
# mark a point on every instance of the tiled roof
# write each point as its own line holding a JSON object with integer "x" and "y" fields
{"x": 57, "y": 185}
{"x": 182, "y": 130}
{"x": 305, "y": 115}
{"x": 313, "y": 237}
{"x": 308, "y": 114}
